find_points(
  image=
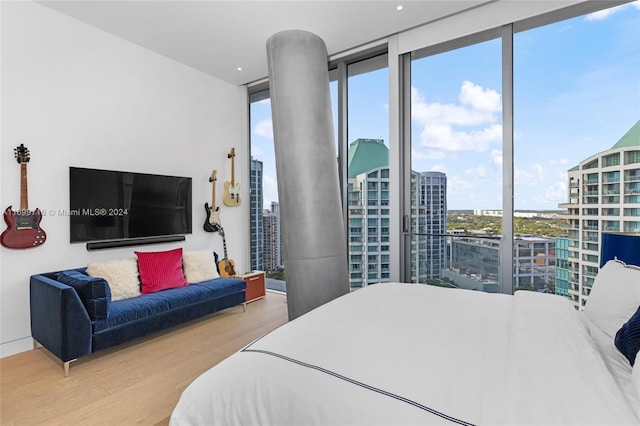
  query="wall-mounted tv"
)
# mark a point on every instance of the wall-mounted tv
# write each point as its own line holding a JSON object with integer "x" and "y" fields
{"x": 115, "y": 205}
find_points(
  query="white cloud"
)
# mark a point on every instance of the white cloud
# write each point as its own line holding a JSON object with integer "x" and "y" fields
{"x": 556, "y": 192}
{"x": 270, "y": 189}
{"x": 599, "y": 15}
{"x": 496, "y": 158}
{"x": 470, "y": 125}
{"x": 477, "y": 172}
{"x": 558, "y": 161}
{"x": 473, "y": 110}
{"x": 539, "y": 171}
{"x": 528, "y": 176}
{"x": 264, "y": 128}
{"x": 444, "y": 137}
{"x": 431, "y": 154}
{"x": 480, "y": 99}
{"x": 459, "y": 183}
{"x": 605, "y": 13}
{"x": 256, "y": 152}
{"x": 439, "y": 168}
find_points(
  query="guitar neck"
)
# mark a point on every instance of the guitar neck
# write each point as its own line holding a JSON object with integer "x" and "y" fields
{"x": 213, "y": 196}
{"x": 24, "y": 196}
{"x": 224, "y": 245}
{"x": 233, "y": 180}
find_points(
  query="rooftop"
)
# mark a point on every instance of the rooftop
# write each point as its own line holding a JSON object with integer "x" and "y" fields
{"x": 631, "y": 138}
{"x": 365, "y": 155}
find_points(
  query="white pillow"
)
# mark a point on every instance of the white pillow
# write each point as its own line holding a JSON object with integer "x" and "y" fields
{"x": 121, "y": 274}
{"x": 615, "y": 296}
{"x": 199, "y": 266}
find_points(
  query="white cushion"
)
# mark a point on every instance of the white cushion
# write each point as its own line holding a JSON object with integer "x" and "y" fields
{"x": 199, "y": 266}
{"x": 121, "y": 274}
{"x": 615, "y": 296}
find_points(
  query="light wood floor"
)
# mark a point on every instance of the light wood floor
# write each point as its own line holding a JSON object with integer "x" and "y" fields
{"x": 135, "y": 383}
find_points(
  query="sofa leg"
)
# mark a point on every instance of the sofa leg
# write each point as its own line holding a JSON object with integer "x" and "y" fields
{"x": 244, "y": 307}
{"x": 66, "y": 367}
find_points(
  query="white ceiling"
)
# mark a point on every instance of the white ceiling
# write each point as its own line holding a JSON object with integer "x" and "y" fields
{"x": 217, "y": 37}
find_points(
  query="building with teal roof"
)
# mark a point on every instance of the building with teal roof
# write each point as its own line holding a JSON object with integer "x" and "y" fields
{"x": 603, "y": 196}
{"x": 368, "y": 210}
{"x": 365, "y": 155}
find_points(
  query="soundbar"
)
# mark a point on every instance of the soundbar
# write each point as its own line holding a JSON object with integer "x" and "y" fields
{"x": 125, "y": 242}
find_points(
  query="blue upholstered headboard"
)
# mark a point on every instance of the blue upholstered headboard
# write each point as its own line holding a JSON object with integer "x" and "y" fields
{"x": 624, "y": 247}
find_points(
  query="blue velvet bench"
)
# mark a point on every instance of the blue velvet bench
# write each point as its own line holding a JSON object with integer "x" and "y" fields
{"x": 72, "y": 321}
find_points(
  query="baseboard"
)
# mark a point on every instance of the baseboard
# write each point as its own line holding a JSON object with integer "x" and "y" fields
{"x": 16, "y": 346}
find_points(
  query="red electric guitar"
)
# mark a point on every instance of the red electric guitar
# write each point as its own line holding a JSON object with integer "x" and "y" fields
{"x": 23, "y": 226}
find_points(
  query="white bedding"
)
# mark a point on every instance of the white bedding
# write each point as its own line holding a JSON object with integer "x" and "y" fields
{"x": 406, "y": 354}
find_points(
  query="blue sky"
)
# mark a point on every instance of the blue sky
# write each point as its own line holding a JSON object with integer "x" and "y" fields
{"x": 576, "y": 88}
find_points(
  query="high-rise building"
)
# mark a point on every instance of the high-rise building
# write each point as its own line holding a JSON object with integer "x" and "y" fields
{"x": 475, "y": 263}
{"x": 368, "y": 227}
{"x": 562, "y": 267}
{"x": 256, "y": 226}
{"x": 272, "y": 252}
{"x": 604, "y": 196}
{"x": 429, "y": 225}
{"x": 368, "y": 220}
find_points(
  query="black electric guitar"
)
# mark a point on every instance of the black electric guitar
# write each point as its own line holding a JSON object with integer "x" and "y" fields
{"x": 212, "y": 223}
{"x": 226, "y": 266}
{"x": 23, "y": 226}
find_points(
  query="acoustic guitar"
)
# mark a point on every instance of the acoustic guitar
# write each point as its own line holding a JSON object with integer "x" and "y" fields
{"x": 23, "y": 226}
{"x": 231, "y": 196}
{"x": 226, "y": 266}
{"x": 212, "y": 223}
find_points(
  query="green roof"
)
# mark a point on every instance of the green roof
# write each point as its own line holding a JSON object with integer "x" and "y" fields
{"x": 367, "y": 154}
{"x": 631, "y": 138}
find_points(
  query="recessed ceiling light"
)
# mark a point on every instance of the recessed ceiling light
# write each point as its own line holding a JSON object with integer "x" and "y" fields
{"x": 239, "y": 68}
{"x": 399, "y": 7}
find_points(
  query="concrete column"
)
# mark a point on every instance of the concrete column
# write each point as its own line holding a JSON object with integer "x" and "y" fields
{"x": 315, "y": 247}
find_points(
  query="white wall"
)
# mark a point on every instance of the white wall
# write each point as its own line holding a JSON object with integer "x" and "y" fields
{"x": 77, "y": 96}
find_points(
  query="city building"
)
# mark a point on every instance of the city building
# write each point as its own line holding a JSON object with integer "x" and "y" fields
{"x": 475, "y": 262}
{"x": 256, "y": 226}
{"x": 368, "y": 217}
{"x": 272, "y": 239}
{"x": 563, "y": 273}
{"x": 429, "y": 225}
{"x": 603, "y": 196}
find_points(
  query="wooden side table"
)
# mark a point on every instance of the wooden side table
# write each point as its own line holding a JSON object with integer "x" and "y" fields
{"x": 256, "y": 285}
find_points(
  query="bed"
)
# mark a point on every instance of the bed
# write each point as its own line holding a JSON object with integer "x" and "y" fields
{"x": 410, "y": 354}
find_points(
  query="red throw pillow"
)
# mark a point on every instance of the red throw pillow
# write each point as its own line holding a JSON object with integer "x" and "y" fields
{"x": 160, "y": 270}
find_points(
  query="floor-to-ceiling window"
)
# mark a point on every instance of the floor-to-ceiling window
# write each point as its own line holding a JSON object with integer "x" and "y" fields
{"x": 368, "y": 171}
{"x": 461, "y": 152}
{"x": 576, "y": 93}
{"x": 456, "y": 166}
{"x": 265, "y": 239}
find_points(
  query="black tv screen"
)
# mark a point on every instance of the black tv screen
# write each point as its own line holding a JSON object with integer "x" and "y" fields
{"x": 112, "y": 205}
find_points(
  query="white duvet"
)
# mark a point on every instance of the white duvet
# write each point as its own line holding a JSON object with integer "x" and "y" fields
{"x": 407, "y": 354}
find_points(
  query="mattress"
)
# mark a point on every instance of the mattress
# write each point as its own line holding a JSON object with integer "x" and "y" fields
{"x": 407, "y": 354}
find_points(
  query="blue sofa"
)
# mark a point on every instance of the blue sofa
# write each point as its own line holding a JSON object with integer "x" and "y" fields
{"x": 78, "y": 318}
